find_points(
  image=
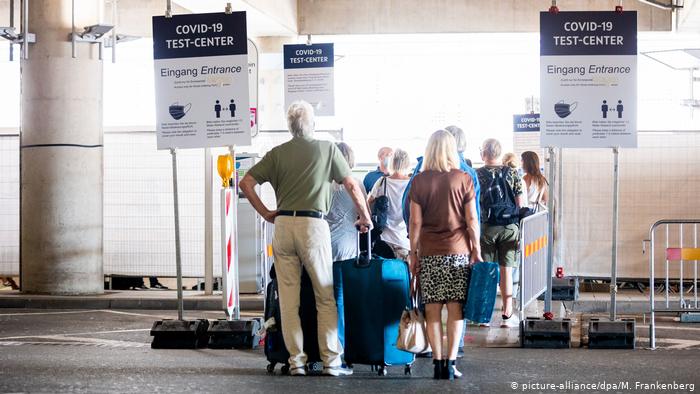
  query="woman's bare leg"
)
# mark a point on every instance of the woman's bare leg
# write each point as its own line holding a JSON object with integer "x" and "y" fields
{"x": 455, "y": 325}
{"x": 506, "y": 286}
{"x": 433, "y": 317}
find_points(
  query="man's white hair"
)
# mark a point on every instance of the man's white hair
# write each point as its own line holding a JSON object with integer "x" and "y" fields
{"x": 300, "y": 119}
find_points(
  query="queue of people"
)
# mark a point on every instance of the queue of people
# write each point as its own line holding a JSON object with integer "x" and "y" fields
{"x": 440, "y": 220}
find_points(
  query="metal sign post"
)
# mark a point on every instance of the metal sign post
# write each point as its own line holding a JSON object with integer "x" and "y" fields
{"x": 613, "y": 273}
{"x": 559, "y": 209}
{"x": 178, "y": 261}
{"x": 208, "y": 224}
{"x": 614, "y": 333}
{"x": 550, "y": 231}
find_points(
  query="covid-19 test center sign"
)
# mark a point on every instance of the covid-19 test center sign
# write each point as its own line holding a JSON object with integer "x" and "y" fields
{"x": 588, "y": 79}
{"x": 308, "y": 76}
{"x": 201, "y": 78}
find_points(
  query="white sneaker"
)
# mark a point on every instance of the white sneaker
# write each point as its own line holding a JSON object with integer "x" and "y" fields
{"x": 511, "y": 322}
{"x": 298, "y": 371}
{"x": 337, "y": 371}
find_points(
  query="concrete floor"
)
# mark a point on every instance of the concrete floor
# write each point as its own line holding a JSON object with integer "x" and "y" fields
{"x": 109, "y": 351}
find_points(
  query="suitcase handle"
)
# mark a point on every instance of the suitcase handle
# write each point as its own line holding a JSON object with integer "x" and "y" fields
{"x": 359, "y": 260}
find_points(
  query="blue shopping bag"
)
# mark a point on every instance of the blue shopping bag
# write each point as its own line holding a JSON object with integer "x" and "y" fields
{"x": 482, "y": 282}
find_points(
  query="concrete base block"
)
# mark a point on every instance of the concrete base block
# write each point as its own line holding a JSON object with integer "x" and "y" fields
{"x": 564, "y": 289}
{"x": 234, "y": 334}
{"x": 179, "y": 334}
{"x": 606, "y": 334}
{"x": 545, "y": 334}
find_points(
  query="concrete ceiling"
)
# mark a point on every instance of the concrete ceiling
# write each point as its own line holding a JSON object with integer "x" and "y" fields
{"x": 300, "y": 17}
{"x": 265, "y": 17}
{"x": 689, "y": 17}
{"x": 452, "y": 16}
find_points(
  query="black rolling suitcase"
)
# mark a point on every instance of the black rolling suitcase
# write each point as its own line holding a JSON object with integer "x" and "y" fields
{"x": 275, "y": 349}
{"x": 376, "y": 291}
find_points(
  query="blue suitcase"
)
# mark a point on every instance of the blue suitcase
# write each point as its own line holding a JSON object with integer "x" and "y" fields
{"x": 375, "y": 292}
{"x": 482, "y": 282}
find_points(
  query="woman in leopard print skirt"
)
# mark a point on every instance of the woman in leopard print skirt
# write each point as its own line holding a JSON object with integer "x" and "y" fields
{"x": 444, "y": 233}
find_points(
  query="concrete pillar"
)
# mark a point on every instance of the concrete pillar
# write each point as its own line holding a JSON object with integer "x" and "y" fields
{"x": 61, "y": 154}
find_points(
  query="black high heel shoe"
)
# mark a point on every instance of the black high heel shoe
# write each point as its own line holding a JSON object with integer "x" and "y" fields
{"x": 438, "y": 369}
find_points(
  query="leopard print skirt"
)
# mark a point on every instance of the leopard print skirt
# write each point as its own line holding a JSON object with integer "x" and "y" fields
{"x": 444, "y": 278}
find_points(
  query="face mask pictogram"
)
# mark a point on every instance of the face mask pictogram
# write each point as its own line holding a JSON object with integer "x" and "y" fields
{"x": 178, "y": 111}
{"x": 563, "y": 109}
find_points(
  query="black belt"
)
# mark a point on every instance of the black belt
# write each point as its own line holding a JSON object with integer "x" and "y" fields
{"x": 307, "y": 214}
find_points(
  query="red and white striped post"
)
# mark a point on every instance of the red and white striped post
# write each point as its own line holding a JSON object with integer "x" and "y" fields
{"x": 229, "y": 248}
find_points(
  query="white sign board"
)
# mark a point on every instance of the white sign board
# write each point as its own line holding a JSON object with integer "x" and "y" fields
{"x": 201, "y": 77}
{"x": 588, "y": 79}
{"x": 308, "y": 76}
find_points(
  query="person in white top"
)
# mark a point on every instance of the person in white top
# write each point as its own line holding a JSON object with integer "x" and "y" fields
{"x": 395, "y": 234}
{"x": 342, "y": 215}
{"x": 535, "y": 182}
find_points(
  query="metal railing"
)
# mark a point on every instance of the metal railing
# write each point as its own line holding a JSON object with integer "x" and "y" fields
{"x": 675, "y": 250}
{"x": 533, "y": 259}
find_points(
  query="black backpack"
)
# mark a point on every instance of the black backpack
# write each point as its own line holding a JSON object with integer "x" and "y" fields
{"x": 498, "y": 206}
{"x": 380, "y": 210}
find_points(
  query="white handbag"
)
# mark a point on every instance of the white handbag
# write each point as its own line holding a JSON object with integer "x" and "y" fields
{"x": 412, "y": 333}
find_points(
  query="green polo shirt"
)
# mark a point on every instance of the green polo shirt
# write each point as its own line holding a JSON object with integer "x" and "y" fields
{"x": 301, "y": 172}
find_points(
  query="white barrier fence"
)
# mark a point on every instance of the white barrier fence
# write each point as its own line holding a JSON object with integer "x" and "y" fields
{"x": 678, "y": 251}
{"x": 533, "y": 259}
{"x": 9, "y": 205}
{"x": 138, "y": 222}
{"x": 138, "y": 198}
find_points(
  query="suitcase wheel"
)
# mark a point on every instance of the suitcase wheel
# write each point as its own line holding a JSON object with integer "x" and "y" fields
{"x": 271, "y": 368}
{"x": 381, "y": 370}
{"x": 285, "y": 369}
{"x": 407, "y": 370}
{"x": 315, "y": 367}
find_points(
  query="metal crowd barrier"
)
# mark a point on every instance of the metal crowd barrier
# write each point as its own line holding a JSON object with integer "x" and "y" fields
{"x": 533, "y": 259}
{"x": 679, "y": 253}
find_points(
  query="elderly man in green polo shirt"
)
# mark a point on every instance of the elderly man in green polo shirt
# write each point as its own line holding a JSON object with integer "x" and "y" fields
{"x": 301, "y": 172}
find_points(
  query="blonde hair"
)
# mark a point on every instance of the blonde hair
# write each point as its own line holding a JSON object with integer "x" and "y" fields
{"x": 400, "y": 162}
{"x": 441, "y": 152}
{"x": 491, "y": 149}
{"x": 509, "y": 160}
